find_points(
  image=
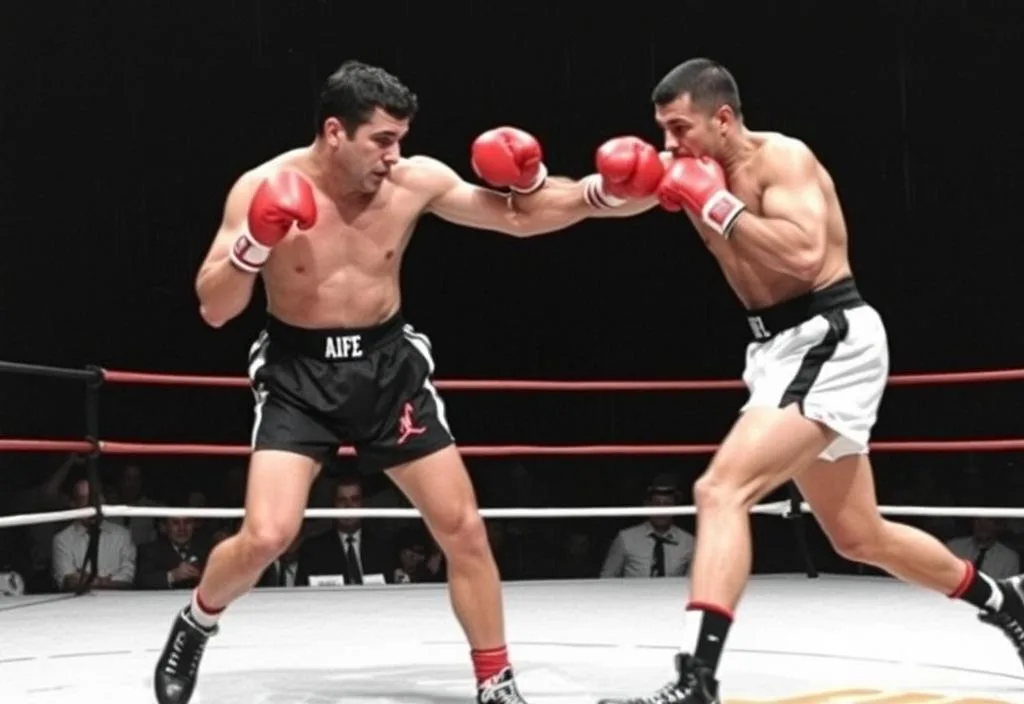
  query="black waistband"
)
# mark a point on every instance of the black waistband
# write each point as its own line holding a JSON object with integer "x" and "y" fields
{"x": 768, "y": 322}
{"x": 334, "y": 344}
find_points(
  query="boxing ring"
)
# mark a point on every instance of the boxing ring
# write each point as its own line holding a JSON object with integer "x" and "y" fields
{"x": 829, "y": 640}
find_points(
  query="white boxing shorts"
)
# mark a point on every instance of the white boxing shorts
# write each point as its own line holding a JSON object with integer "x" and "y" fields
{"x": 827, "y": 352}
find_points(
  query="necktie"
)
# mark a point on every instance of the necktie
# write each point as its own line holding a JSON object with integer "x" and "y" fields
{"x": 658, "y": 564}
{"x": 980, "y": 558}
{"x": 352, "y": 573}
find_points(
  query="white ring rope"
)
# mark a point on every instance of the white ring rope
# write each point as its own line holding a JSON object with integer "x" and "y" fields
{"x": 778, "y": 508}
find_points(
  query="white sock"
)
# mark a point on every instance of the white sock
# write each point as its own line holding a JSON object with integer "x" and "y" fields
{"x": 693, "y": 622}
{"x": 203, "y": 618}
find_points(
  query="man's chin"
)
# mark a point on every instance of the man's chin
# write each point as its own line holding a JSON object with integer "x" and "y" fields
{"x": 372, "y": 183}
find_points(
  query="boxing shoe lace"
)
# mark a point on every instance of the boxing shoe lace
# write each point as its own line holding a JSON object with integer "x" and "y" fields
{"x": 694, "y": 686}
{"x": 500, "y": 689}
{"x": 1010, "y": 618}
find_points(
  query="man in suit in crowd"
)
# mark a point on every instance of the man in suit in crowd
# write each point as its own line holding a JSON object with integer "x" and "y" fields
{"x": 348, "y": 550}
{"x": 175, "y": 559}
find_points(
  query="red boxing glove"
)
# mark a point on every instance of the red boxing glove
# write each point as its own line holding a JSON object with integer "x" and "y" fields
{"x": 698, "y": 185}
{"x": 627, "y": 167}
{"x": 282, "y": 200}
{"x": 506, "y": 157}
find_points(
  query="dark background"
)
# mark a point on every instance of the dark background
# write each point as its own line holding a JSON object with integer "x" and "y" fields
{"x": 124, "y": 124}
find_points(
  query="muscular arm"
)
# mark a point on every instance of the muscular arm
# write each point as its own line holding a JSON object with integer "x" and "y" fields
{"x": 562, "y": 202}
{"x": 223, "y": 289}
{"x": 790, "y": 235}
{"x": 556, "y": 206}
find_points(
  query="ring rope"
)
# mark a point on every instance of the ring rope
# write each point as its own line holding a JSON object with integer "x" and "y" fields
{"x": 110, "y": 447}
{"x": 127, "y": 377}
{"x": 782, "y": 509}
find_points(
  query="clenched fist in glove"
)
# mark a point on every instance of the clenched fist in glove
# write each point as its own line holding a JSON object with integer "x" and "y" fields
{"x": 698, "y": 185}
{"x": 627, "y": 167}
{"x": 280, "y": 201}
{"x": 506, "y": 157}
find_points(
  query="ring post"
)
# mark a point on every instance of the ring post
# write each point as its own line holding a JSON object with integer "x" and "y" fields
{"x": 92, "y": 434}
{"x": 796, "y": 517}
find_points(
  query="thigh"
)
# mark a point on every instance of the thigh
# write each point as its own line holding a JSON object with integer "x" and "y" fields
{"x": 766, "y": 447}
{"x": 408, "y": 420}
{"x": 439, "y": 486}
{"x": 841, "y": 495}
{"x": 277, "y": 489}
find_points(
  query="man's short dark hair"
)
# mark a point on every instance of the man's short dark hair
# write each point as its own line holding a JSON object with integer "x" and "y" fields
{"x": 355, "y": 90}
{"x": 709, "y": 84}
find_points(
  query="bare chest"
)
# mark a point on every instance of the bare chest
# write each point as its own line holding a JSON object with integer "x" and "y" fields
{"x": 370, "y": 239}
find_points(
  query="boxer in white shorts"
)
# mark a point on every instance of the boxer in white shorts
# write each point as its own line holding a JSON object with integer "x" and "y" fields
{"x": 768, "y": 211}
{"x": 816, "y": 369}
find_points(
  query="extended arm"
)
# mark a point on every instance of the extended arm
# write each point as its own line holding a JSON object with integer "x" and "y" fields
{"x": 628, "y": 173}
{"x": 558, "y": 205}
{"x": 505, "y": 157}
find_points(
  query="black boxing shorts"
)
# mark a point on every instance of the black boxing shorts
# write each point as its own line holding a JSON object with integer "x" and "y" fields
{"x": 371, "y": 388}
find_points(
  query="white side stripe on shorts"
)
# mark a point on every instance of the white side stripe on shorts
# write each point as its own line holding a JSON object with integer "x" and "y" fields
{"x": 422, "y": 344}
{"x": 257, "y": 358}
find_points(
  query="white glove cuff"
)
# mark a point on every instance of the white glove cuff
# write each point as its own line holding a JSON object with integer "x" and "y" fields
{"x": 249, "y": 255}
{"x": 542, "y": 176}
{"x": 721, "y": 211}
{"x": 595, "y": 195}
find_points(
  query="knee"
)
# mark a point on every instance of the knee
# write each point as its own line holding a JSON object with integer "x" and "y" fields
{"x": 265, "y": 540}
{"x": 461, "y": 535}
{"x": 858, "y": 542}
{"x": 716, "y": 492}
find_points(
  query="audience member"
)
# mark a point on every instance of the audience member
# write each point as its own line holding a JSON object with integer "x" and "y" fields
{"x": 116, "y": 553}
{"x": 175, "y": 560}
{"x": 347, "y": 550}
{"x": 655, "y": 548}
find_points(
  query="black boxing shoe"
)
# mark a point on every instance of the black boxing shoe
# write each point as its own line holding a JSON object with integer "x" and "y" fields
{"x": 1010, "y": 618}
{"x": 178, "y": 666}
{"x": 696, "y": 685}
{"x": 500, "y": 689}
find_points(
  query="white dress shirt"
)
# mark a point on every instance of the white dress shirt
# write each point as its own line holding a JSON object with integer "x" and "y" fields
{"x": 115, "y": 556}
{"x": 631, "y": 553}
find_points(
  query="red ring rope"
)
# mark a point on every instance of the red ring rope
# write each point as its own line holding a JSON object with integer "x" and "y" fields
{"x": 123, "y": 377}
{"x": 140, "y": 448}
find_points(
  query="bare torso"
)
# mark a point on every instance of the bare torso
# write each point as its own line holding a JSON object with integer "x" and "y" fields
{"x": 344, "y": 271}
{"x": 756, "y": 285}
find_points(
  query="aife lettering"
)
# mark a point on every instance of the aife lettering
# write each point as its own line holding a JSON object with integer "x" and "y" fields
{"x": 343, "y": 347}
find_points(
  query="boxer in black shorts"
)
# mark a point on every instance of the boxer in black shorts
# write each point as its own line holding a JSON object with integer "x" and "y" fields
{"x": 325, "y": 227}
{"x": 367, "y": 387}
